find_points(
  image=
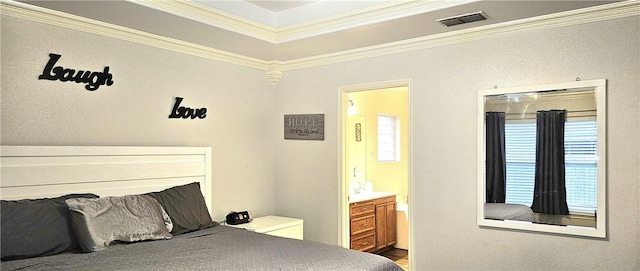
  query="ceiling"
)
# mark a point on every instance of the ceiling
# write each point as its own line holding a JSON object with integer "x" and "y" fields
{"x": 276, "y": 6}
{"x": 292, "y": 29}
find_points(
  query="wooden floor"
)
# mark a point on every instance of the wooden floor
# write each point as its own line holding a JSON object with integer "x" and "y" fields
{"x": 400, "y": 256}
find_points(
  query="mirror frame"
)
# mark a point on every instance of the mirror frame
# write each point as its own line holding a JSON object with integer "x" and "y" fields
{"x": 600, "y": 231}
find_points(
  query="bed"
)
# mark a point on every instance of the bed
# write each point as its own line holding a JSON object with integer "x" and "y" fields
{"x": 136, "y": 208}
{"x": 507, "y": 211}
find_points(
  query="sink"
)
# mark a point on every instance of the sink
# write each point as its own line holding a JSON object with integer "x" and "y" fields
{"x": 369, "y": 196}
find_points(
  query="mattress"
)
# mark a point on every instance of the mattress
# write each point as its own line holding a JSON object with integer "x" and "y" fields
{"x": 506, "y": 211}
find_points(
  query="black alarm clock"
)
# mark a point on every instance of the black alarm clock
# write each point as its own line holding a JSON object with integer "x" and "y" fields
{"x": 235, "y": 218}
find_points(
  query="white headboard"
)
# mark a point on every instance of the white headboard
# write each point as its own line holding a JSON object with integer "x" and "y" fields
{"x": 50, "y": 171}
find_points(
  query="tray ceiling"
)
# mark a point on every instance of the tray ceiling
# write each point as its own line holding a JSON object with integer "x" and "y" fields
{"x": 286, "y": 30}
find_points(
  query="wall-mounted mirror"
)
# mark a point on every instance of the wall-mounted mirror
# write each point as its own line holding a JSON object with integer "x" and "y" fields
{"x": 542, "y": 158}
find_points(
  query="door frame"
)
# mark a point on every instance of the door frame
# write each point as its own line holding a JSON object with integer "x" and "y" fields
{"x": 343, "y": 183}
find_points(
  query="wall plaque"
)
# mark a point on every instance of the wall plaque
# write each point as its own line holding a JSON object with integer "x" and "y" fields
{"x": 186, "y": 112}
{"x": 304, "y": 127}
{"x": 93, "y": 80}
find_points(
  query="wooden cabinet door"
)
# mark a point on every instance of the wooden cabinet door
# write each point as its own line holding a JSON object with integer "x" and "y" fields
{"x": 373, "y": 224}
{"x": 381, "y": 226}
{"x": 385, "y": 225}
{"x": 391, "y": 226}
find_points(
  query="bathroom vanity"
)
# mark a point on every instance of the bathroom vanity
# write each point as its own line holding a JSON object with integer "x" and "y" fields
{"x": 372, "y": 219}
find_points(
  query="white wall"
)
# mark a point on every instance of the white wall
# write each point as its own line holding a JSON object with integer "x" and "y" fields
{"x": 135, "y": 109}
{"x": 245, "y": 118}
{"x": 446, "y": 81}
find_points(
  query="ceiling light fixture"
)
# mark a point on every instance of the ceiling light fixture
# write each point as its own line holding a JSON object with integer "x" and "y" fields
{"x": 352, "y": 108}
{"x": 463, "y": 19}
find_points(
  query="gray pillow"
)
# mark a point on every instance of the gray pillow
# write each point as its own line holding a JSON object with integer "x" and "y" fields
{"x": 100, "y": 222}
{"x": 36, "y": 227}
{"x": 186, "y": 207}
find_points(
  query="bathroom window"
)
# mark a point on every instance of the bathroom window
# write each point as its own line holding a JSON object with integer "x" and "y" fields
{"x": 388, "y": 143}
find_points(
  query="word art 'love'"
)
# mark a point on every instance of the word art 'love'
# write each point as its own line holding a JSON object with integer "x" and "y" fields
{"x": 186, "y": 112}
{"x": 93, "y": 80}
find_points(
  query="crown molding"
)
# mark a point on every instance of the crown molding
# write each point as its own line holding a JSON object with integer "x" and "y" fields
{"x": 73, "y": 22}
{"x": 557, "y": 20}
{"x": 379, "y": 13}
{"x": 210, "y": 16}
{"x": 274, "y": 73}
{"x": 275, "y": 68}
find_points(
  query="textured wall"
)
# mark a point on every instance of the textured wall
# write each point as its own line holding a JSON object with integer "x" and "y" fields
{"x": 445, "y": 85}
{"x": 135, "y": 109}
{"x": 245, "y": 117}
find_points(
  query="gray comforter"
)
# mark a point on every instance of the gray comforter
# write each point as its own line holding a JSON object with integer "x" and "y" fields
{"x": 217, "y": 248}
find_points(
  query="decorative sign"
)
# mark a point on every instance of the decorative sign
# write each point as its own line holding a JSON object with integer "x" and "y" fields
{"x": 304, "y": 127}
{"x": 93, "y": 80}
{"x": 186, "y": 112}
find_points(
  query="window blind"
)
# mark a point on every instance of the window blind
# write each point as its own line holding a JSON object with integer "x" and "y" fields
{"x": 580, "y": 164}
{"x": 387, "y": 145}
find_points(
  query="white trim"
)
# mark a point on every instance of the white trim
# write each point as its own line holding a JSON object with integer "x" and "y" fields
{"x": 376, "y": 85}
{"x": 207, "y": 15}
{"x": 563, "y": 19}
{"x": 412, "y": 180}
{"x": 69, "y": 21}
{"x": 600, "y": 231}
{"x": 21, "y": 151}
{"x": 343, "y": 185}
{"x": 552, "y": 21}
{"x": 378, "y": 13}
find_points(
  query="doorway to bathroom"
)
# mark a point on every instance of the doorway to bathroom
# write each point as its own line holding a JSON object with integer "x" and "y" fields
{"x": 376, "y": 165}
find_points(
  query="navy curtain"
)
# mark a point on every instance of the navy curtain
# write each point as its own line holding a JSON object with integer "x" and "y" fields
{"x": 550, "y": 194}
{"x": 496, "y": 170}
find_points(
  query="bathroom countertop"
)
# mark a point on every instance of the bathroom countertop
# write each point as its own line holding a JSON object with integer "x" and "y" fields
{"x": 369, "y": 196}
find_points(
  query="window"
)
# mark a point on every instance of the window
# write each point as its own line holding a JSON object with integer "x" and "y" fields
{"x": 388, "y": 147}
{"x": 580, "y": 145}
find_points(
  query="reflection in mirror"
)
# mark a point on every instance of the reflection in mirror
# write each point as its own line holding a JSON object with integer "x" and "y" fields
{"x": 541, "y": 153}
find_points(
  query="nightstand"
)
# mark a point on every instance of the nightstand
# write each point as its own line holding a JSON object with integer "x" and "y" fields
{"x": 275, "y": 225}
